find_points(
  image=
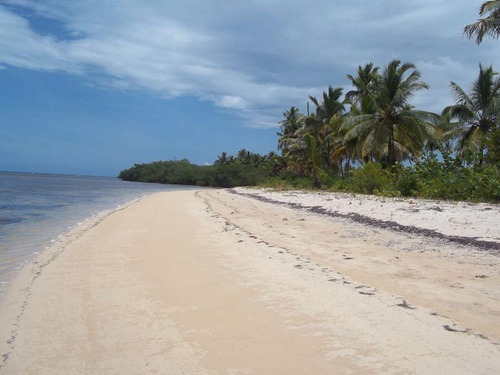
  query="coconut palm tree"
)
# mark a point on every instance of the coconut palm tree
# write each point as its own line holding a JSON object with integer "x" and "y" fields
{"x": 288, "y": 126}
{"x": 295, "y": 156}
{"x": 395, "y": 130}
{"x": 361, "y": 97}
{"x": 330, "y": 105}
{"x": 224, "y": 159}
{"x": 477, "y": 114}
{"x": 361, "y": 101}
{"x": 318, "y": 124}
{"x": 340, "y": 152}
{"x": 450, "y": 131}
{"x": 313, "y": 152}
{"x": 489, "y": 25}
{"x": 244, "y": 156}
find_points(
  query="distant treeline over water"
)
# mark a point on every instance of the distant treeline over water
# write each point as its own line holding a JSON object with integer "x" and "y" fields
{"x": 246, "y": 169}
{"x": 430, "y": 177}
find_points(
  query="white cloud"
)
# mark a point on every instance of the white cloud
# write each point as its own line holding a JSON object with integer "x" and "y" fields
{"x": 228, "y": 101}
{"x": 256, "y": 58}
{"x": 24, "y": 48}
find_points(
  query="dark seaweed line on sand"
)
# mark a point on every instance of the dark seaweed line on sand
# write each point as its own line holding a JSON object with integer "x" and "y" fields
{"x": 391, "y": 225}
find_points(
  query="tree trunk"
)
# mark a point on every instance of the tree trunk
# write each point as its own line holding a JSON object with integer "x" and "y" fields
{"x": 328, "y": 163}
{"x": 391, "y": 157}
{"x": 316, "y": 183}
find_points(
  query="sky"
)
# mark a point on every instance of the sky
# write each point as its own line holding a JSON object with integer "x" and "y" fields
{"x": 93, "y": 87}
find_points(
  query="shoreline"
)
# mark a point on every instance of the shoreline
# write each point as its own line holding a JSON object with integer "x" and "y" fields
{"x": 221, "y": 276}
{"x": 41, "y": 248}
{"x": 38, "y": 209}
{"x": 15, "y": 297}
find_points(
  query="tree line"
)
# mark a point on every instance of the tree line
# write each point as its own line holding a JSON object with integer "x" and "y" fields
{"x": 376, "y": 122}
{"x": 244, "y": 169}
{"x": 373, "y": 139}
{"x": 374, "y": 126}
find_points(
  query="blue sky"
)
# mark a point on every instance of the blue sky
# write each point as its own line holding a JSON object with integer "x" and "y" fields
{"x": 92, "y": 87}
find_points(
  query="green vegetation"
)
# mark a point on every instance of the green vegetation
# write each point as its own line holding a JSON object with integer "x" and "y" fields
{"x": 373, "y": 141}
{"x": 396, "y": 149}
{"x": 381, "y": 145}
{"x": 428, "y": 178}
{"x": 246, "y": 169}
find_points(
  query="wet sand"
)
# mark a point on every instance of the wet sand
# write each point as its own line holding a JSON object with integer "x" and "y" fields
{"x": 214, "y": 282}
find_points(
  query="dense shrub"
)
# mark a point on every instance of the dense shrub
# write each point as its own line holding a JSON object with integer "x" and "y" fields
{"x": 326, "y": 180}
{"x": 431, "y": 177}
{"x": 171, "y": 172}
{"x": 450, "y": 179}
{"x": 230, "y": 175}
{"x": 368, "y": 179}
{"x": 184, "y": 173}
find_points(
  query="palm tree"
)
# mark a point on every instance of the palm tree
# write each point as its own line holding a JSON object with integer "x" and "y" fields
{"x": 223, "y": 159}
{"x": 477, "y": 114}
{"x": 395, "y": 130}
{"x": 271, "y": 155}
{"x": 313, "y": 152}
{"x": 361, "y": 101}
{"x": 364, "y": 83}
{"x": 489, "y": 25}
{"x": 450, "y": 131}
{"x": 318, "y": 124}
{"x": 288, "y": 126}
{"x": 243, "y": 156}
{"x": 339, "y": 151}
{"x": 329, "y": 106}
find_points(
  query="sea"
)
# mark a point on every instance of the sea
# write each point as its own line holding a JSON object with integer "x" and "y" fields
{"x": 36, "y": 209}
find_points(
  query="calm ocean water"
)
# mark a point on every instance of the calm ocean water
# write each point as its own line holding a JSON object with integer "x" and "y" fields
{"x": 37, "y": 208}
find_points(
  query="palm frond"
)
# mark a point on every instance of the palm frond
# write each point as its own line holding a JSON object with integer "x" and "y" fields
{"x": 366, "y": 146}
{"x": 489, "y": 6}
{"x": 461, "y": 97}
{"x": 462, "y": 113}
{"x": 359, "y": 130}
{"x": 472, "y": 140}
{"x": 490, "y": 25}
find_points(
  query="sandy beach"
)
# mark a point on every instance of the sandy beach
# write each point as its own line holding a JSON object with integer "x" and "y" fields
{"x": 249, "y": 281}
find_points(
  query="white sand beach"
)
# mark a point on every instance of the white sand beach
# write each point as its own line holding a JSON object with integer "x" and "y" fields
{"x": 250, "y": 281}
